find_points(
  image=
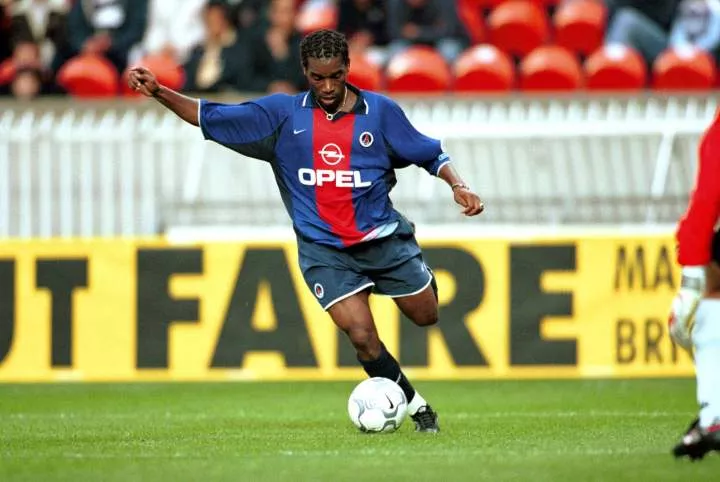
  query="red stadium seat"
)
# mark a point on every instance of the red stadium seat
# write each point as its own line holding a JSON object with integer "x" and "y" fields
{"x": 471, "y": 16}
{"x": 168, "y": 72}
{"x": 495, "y": 3}
{"x": 482, "y": 4}
{"x": 7, "y": 71}
{"x": 485, "y": 4}
{"x": 518, "y": 26}
{"x": 550, "y": 68}
{"x": 364, "y": 74}
{"x": 89, "y": 76}
{"x": 418, "y": 69}
{"x": 684, "y": 69}
{"x": 484, "y": 68}
{"x": 316, "y": 15}
{"x": 580, "y": 25}
{"x": 615, "y": 67}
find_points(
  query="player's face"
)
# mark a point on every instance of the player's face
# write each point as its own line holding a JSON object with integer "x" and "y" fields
{"x": 327, "y": 78}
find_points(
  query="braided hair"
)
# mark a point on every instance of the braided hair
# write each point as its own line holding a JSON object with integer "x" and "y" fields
{"x": 324, "y": 44}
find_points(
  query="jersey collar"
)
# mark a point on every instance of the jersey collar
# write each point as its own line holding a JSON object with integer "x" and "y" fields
{"x": 361, "y": 106}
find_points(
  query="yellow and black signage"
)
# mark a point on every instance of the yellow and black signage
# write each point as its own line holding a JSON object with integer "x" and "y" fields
{"x": 136, "y": 310}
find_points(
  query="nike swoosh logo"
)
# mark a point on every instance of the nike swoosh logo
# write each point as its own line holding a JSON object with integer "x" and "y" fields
{"x": 391, "y": 404}
{"x": 296, "y": 132}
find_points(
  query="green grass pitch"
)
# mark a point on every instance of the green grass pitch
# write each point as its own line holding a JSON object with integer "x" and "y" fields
{"x": 592, "y": 430}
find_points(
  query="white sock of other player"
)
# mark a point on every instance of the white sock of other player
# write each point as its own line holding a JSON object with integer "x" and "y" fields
{"x": 415, "y": 404}
{"x": 706, "y": 339}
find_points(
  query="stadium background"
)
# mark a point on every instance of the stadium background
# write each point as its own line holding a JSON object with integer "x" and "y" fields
{"x": 133, "y": 250}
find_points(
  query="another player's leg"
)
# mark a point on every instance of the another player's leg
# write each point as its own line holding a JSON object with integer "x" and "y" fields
{"x": 353, "y": 316}
{"x": 703, "y": 435}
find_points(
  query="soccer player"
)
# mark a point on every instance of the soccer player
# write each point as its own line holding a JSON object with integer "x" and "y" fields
{"x": 333, "y": 150}
{"x": 695, "y": 312}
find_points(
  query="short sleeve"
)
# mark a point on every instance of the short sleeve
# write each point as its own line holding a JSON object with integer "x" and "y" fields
{"x": 249, "y": 128}
{"x": 406, "y": 144}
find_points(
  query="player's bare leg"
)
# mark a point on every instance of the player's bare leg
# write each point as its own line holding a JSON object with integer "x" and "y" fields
{"x": 703, "y": 435}
{"x": 353, "y": 316}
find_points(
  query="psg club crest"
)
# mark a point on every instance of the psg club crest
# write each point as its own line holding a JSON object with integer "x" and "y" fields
{"x": 319, "y": 291}
{"x": 366, "y": 139}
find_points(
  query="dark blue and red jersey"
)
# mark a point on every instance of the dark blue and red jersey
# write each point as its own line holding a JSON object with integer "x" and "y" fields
{"x": 335, "y": 176}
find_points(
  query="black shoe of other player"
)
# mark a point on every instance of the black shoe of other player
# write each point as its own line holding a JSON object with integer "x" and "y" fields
{"x": 696, "y": 442}
{"x": 426, "y": 420}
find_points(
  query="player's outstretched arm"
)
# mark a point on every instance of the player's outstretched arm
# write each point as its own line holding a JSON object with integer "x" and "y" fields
{"x": 471, "y": 203}
{"x": 144, "y": 81}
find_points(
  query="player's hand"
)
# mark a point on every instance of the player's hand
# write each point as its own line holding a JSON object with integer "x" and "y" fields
{"x": 684, "y": 306}
{"x": 471, "y": 203}
{"x": 143, "y": 80}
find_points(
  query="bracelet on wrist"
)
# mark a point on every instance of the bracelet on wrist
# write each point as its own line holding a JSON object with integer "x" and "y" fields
{"x": 460, "y": 185}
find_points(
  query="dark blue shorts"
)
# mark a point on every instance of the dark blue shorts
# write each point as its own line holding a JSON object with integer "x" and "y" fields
{"x": 391, "y": 266}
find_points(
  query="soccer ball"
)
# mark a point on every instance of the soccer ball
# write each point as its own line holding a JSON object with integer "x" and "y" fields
{"x": 377, "y": 405}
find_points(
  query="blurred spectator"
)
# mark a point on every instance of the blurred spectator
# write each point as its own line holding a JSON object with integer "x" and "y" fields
{"x": 640, "y": 24}
{"x": 695, "y": 22}
{"x": 364, "y": 23}
{"x": 426, "y": 22}
{"x": 28, "y": 78}
{"x": 221, "y": 61}
{"x": 174, "y": 28}
{"x": 276, "y": 62}
{"x": 247, "y": 14}
{"x": 42, "y": 22}
{"x": 29, "y": 83}
{"x": 108, "y": 27}
{"x": 698, "y": 24}
{"x": 661, "y": 12}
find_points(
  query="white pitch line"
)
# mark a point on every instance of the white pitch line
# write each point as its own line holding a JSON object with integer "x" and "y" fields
{"x": 111, "y": 416}
{"x": 490, "y": 451}
{"x": 450, "y": 415}
{"x": 503, "y": 452}
{"x": 568, "y": 414}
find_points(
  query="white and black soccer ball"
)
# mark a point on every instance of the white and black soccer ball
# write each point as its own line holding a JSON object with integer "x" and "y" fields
{"x": 377, "y": 405}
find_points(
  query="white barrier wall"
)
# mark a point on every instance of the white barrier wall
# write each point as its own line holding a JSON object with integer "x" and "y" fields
{"x": 84, "y": 169}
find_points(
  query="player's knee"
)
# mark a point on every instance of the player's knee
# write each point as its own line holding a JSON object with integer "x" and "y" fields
{"x": 426, "y": 318}
{"x": 365, "y": 340}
